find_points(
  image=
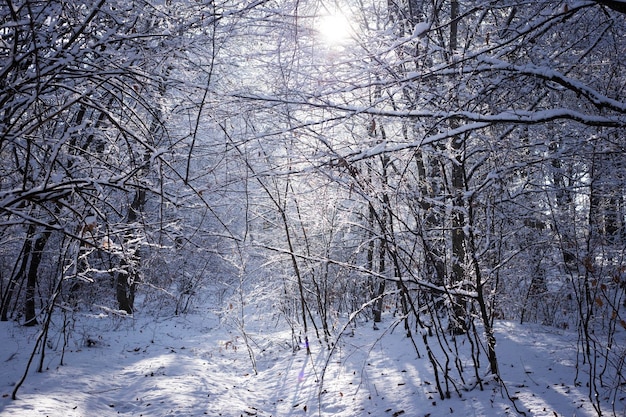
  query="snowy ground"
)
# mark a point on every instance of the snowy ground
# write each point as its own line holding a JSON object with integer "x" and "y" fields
{"x": 194, "y": 365}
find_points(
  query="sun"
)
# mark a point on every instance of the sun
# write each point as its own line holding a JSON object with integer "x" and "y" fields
{"x": 334, "y": 28}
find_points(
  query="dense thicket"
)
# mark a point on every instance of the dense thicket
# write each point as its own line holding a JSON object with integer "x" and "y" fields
{"x": 451, "y": 162}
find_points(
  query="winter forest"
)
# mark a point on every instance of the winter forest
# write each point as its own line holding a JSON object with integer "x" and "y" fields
{"x": 424, "y": 170}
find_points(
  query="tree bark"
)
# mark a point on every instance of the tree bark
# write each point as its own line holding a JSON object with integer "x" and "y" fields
{"x": 457, "y": 324}
{"x": 30, "y": 312}
{"x": 19, "y": 275}
{"x": 617, "y": 5}
{"x": 127, "y": 278}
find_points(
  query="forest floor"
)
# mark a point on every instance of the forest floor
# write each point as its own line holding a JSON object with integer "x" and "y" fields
{"x": 197, "y": 364}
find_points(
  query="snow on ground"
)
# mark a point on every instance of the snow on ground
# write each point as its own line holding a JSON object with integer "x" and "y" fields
{"x": 196, "y": 365}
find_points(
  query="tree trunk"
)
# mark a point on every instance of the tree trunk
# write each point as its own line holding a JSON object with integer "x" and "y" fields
{"x": 457, "y": 324}
{"x": 125, "y": 285}
{"x": 19, "y": 275}
{"x": 30, "y": 312}
{"x": 127, "y": 279}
